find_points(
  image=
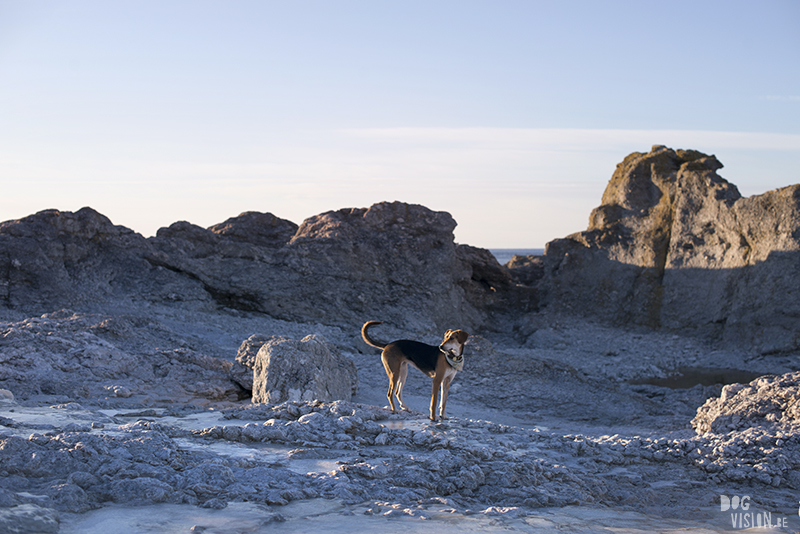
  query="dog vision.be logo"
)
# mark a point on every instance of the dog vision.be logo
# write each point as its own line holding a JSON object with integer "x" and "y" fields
{"x": 743, "y": 517}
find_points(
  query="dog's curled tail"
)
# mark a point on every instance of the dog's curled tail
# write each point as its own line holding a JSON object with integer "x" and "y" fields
{"x": 368, "y": 340}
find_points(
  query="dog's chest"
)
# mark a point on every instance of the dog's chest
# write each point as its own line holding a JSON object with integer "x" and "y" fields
{"x": 450, "y": 373}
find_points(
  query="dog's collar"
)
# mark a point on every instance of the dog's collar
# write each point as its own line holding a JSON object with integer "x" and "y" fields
{"x": 456, "y": 362}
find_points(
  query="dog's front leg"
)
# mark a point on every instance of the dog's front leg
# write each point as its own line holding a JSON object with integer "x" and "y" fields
{"x": 445, "y": 392}
{"x": 437, "y": 383}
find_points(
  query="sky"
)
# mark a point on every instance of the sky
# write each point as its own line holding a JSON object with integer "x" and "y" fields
{"x": 509, "y": 115}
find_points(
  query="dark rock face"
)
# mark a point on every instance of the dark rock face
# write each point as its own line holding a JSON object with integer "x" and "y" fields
{"x": 262, "y": 229}
{"x": 526, "y": 270}
{"x": 675, "y": 245}
{"x": 393, "y": 261}
{"x": 340, "y": 267}
{"x": 55, "y": 259}
{"x": 242, "y": 368}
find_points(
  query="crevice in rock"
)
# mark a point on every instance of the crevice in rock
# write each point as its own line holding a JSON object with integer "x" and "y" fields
{"x": 226, "y": 299}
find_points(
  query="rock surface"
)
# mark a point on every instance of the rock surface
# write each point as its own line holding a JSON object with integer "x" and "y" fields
{"x": 245, "y": 362}
{"x": 675, "y": 245}
{"x": 262, "y": 229}
{"x": 769, "y": 401}
{"x": 310, "y": 369}
{"x": 337, "y": 268}
{"x": 764, "y": 412}
{"x": 79, "y": 356}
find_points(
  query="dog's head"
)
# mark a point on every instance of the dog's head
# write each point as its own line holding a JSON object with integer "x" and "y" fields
{"x": 454, "y": 341}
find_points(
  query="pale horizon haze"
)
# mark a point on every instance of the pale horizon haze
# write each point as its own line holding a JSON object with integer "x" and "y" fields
{"x": 509, "y": 115}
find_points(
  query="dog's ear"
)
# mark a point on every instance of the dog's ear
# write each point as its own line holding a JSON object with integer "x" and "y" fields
{"x": 462, "y": 336}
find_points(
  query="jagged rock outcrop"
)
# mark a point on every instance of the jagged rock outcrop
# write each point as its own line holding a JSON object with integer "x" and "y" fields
{"x": 57, "y": 259}
{"x": 675, "y": 245}
{"x": 310, "y": 369}
{"x": 262, "y": 229}
{"x": 768, "y": 401}
{"x": 393, "y": 261}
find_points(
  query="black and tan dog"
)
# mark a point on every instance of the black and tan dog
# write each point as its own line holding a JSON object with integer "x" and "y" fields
{"x": 440, "y": 363}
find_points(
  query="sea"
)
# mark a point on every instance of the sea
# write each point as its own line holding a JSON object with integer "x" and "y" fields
{"x": 503, "y": 255}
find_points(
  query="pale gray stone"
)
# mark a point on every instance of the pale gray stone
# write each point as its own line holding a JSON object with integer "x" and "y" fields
{"x": 305, "y": 370}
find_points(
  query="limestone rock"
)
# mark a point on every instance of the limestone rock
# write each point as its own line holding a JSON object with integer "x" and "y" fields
{"x": 242, "y": 368}
{"x": 488, "y": 280}
{"x": 766, "y": 401}
{"x": 393, "y": 260}
{"x": 675, "y": 245}
{"x": 309, "y": 369}
{"x": 262, "y": 229}
{"x": 56, "y": 259}
{"x": 526, "y": 270}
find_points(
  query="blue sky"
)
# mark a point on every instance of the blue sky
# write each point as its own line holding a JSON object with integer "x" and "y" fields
{"x": 510, "y": 115}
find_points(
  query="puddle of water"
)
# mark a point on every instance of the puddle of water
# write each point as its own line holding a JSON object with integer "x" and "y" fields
{"x": 688, "y": 377}
{"x": 330, "y": 517}
{"x": 409, "y": 424}
{"x": 50, "y": 416}
{"x": 253, "y": 451}
{"x": 303, "y": 467}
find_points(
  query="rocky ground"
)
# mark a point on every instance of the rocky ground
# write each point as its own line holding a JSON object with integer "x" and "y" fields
{"x": 562, "y": 422}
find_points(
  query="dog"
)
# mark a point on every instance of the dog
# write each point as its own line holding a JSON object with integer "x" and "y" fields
{"x": 440, "y": 363}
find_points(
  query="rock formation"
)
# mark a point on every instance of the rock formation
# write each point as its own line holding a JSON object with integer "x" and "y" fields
{"x": 54, "y": 259}
{"x": 242, "y": 368}
{"x": 393, "y": 261}
{"x": 256, "y": 228}
{"x": 675, "y": 245}
{"x": 768, "y": 401}
{"x": 305, "y": 370}
{"x": 118, "y": 389}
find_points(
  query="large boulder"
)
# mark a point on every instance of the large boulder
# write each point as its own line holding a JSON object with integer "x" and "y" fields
{"x": 675, "y": 245}
{"x": 264, "y": 229}
{"x": 309, "y": 369}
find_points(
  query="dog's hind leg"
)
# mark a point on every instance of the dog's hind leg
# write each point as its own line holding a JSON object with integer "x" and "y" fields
{"x": 394, "y": 378}
{"x": 400, "y": 383}
{"x": 390, "y": 394}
